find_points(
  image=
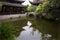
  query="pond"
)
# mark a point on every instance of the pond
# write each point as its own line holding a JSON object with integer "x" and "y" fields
{"x": 29, "y": 34}
{"x": 34, "y": 29}
{"x": 39, "y": 30}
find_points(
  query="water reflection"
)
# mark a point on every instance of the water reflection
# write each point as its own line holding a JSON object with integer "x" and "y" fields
{"x": 30, "y": 34}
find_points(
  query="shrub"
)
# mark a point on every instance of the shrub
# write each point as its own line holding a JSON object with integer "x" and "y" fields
{"x": 49, "y": 16}
{"x": 42, "y": 8}
{"x": 30, "y": 8}
{"x": 6, "y": 32}
{"x": 38, "y": 9}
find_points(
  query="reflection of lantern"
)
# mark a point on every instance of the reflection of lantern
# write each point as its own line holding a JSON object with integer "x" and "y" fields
{"x": 35, "y": 2}
{"x": 20, "y": 1}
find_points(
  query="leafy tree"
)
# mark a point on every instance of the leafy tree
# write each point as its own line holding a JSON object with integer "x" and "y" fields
{"x": 38, "y": 9}
{"x": 0, "y": 6}
{"x": 54, "y": 8}
{"x": 42, "y": 8}
{"x": 49, "y": 7}
{"x": 30, "y": 8}
{"x": 54, "y": 3}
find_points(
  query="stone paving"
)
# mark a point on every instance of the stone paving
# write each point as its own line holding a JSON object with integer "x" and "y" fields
{"x": 2, "y": 17}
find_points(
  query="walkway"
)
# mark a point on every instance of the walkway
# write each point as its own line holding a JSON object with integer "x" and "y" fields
{"x": 2, "y": 17}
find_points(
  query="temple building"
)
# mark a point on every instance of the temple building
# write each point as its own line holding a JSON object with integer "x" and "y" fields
{"x": 14, "y": 7}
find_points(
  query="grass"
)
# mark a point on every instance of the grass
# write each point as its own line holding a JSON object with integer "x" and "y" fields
{"x": 15, "y": 25}
{"x": 6, "y": 32}
{"x": 49, "y": 17}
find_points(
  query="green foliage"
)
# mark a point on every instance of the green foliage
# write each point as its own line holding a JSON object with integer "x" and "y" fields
{"x": 49, "y": 16}
{"x": 54, "y": 7}
{"x": 54, "y": 3}
{"x": 42, "y": 8}
{"x": 49, "y": 6}
{"x": 38, "y": 9}
{"x": 11, "y": 28}
{"x": 6, "y": 32}
{"x": 30, "y": 8}
{"x": 0, "y": 6}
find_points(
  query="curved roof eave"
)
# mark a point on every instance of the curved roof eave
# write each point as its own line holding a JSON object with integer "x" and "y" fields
{"x": 13, "y": 4}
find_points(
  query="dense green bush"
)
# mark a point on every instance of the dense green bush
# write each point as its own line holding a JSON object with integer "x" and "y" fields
{"x": 49, "y": 16}
{"x": 30, "y": 8}
{"x": 6, "y": 32}
{"x": 50, "y": 7}
{"x": 54, "y": 3}
{"x": 42, "y": 8}
{"x": 38, "y": 9}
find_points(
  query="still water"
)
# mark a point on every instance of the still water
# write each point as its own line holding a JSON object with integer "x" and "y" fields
{"x": 29, "y": 33}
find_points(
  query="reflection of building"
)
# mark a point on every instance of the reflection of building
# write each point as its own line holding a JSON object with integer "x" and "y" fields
{"x": 12, "y": 8}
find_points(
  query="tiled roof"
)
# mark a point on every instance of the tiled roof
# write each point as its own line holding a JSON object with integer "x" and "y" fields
{"x": 13, "y": 4}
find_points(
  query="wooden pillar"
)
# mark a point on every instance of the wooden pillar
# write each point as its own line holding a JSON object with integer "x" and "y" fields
{"x": 4, "y": 9}
{"x": 11, "y": 10}
{"x": 18, "y": 10}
